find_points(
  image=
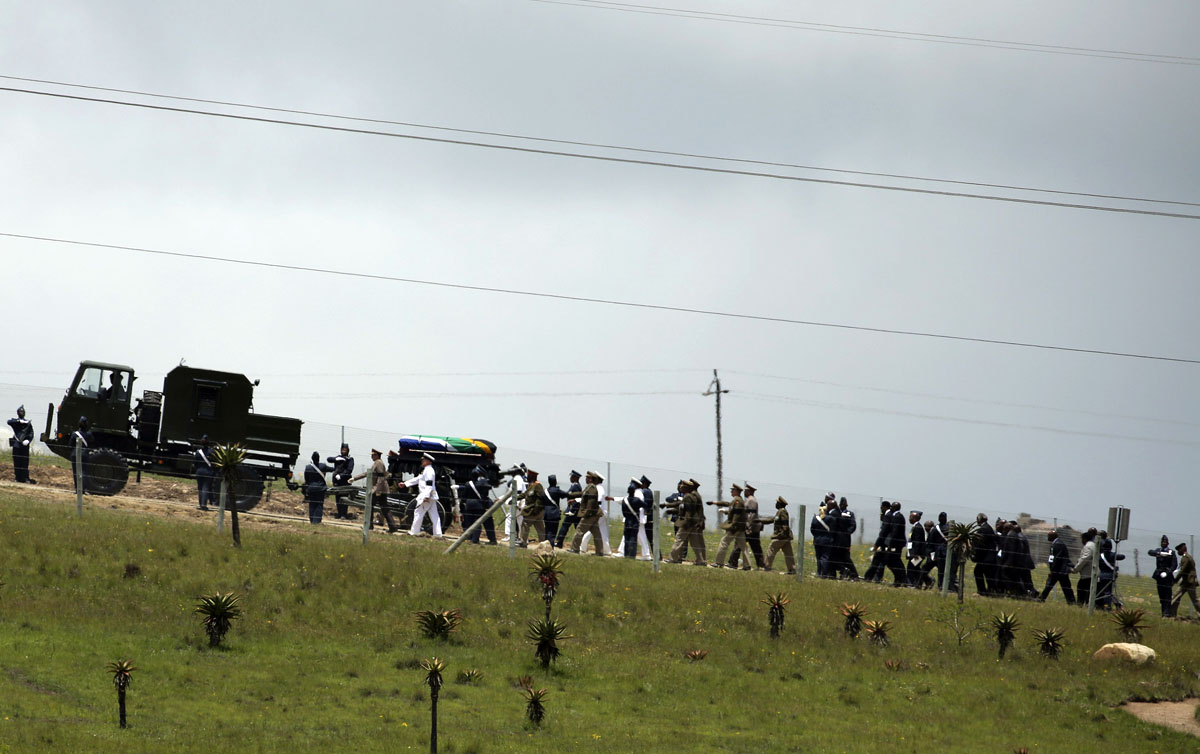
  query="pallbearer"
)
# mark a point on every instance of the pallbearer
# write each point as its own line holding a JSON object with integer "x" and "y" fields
{"x": 314, "y": 488}
{"x": 427, "y": 497}
{"x": 534, "y": 510}
{"x": 343, "y": 469}
{"x": 21, "y": 440}
{"x": 735, "y": 529}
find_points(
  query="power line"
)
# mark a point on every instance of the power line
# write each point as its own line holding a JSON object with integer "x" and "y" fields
{"x": 614, "y": 147}
{"x": 606, "y": 158}
{"x": 868, "y": 31}
{"x": 529, "y": 394}
{"x": 595, "y": 300}
{"x": 957, "y": 419}
{"x": 1100, "y": 414}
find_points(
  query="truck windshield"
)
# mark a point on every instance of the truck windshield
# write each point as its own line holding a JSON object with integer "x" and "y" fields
{"x": 89, "y": 383}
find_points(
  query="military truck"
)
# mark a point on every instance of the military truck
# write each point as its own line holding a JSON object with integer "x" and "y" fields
{"x": 161, "y": 430}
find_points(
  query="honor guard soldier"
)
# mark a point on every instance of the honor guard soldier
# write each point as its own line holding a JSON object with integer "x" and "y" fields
{"x": 916, "y": 552}
{"x": 476, "y": 499}
{"x": 690, "y": 511}
{"x": 534, "y": 510}
{"x": 847, "y": 525}
{"x": 378, "y": 491}
{"x": 670, "y": 507}
{"x": 823, "y": 529}
{"x": 781, "y": 538}
{"x": 571, "y": 517}
{"x": 645, "y": 517}
{"x": 631, "y": 508}
{"x": 21, "y": 440}
{"x": 874, "y": 572}
{"x": 754, "y": 527}
{"x": 1165, "y": 562}
{"x": 589, "y": 515}
{"x": 735, "y": 527}
{"x": 427, "y": 497}
{"x": 1185, "y": 577}
{"x": 205, "y": 472}
{"x": 315, "y": 487}
{"x": 553, "y": 514}
{"x": 343, "y": 470}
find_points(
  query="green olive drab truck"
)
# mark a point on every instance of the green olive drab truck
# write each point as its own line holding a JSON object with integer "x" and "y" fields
{"x": 159, "y": 432}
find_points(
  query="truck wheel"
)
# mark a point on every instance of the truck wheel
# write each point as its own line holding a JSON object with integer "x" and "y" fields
{"x": 248, "y": 489}
{"x": 105, "y": 472}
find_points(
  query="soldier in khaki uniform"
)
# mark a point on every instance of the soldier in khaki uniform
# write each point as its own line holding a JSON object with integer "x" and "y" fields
{"x": 533, "y": 514}
{"x": 735, "y": 527}
{"x": 589, "y": 515}
{"x": 781, "y": 538}
{"x": 1185, "y": 579}
{"x": 691, "y": 525}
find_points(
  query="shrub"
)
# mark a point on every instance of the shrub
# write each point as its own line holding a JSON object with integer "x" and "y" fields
{"x": 535, "y": 710}
{"x": 776, "y": 604}
{"x": 469, "y": 677}
{"x": 696, "y": 655}
{"x": 545, "y": 635}
{"x": 121, "y": 670}
{"x": 1129, "y": 622}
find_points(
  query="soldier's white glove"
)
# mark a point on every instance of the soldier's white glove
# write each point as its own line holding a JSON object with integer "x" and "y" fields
{"x": 1176, "y": 574}
{"x": 1162, "y": 575}
{"x": 25, "y": 443}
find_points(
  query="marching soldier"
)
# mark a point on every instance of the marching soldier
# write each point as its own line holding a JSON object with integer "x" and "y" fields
{"x": 689, "y": 509}
{"x": 534, "y": 510}
{"x": 1166, "y": 561}
{"x": 572, "y": 515}
{"x": 781, "y": 538}
{"x": 205, "y": 473}
{"x": 314, "y": 488}
{"x": 343, "y": 469}
{"x": 553, "y": 513}
{"x": 589, "y": 514}
{"x": 823, "y": 529}
{"x": 631, "y": 511}
{"x": 1185, "y": 577}
{"x": 754, "y": 527}
{"x": 986, "y": 544}
{"x": 1059, "y": 561}
{"x": 671, "y": 507}
{"x": 427, "y": 497}
{"x": 646, "y": 517}
{"x": 476, "y": 500}
{"x": 21, "y": 440}
{"x": 847, "y": 525}
{"x": 874, "y": 572}
{"x": 916, "y": 552}
{"x": 896, "y": 544}
{"x": 379, "y": 491}
{"x": 735, "y": 530}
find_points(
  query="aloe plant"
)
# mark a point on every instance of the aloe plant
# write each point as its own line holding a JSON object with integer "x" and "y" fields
{"x": 1050, "y": 642}
{"x": 696, "y": 655}
{"x": 219, "y": 611}
{"x": 122, "y": 676}
{"x": 535, "y": 709}
{"x": 438, "y": 624}
{"x": 776, "y": 603}
{"x": 546, "y": 570}
{"x": 1004, "y": 628}
{"x": 469, "y": 677}
{"x": 545, "y": 635}
{"x": 433, "y": 668}
{"x": 1129, "y": 622}
{"x": 961, "y": 542}
{"x": 877, "y": 631}
{"x": 227, "y": 458}
{"x": 853, "y": 612}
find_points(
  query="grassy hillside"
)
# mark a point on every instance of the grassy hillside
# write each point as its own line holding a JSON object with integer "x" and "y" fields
{"x": 327, "y": 653}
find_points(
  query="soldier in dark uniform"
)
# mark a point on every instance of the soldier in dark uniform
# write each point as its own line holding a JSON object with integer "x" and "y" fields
{"x": 847, "y": 525}
{"x": 781, "y": 538}
{"x": 21, "y": 441}
{"x": 936, "y": 542}
{"x": 1105, "y": 585}
{"x": 1166, "y": 561}
{"x": 81, "y": 438}
{"x": 631, "y": 508}
{"x": 572, "y": 515}
{"x": 647, "y": 497}
{"x": 1059, "y": 561}
{"x": 986, "y": 544}
{"x": 314, "y": 488}
{"x": 874, "y": 572}
{"x": 343, "y": 469}
{"x": 476, "y": 499}
{"x": 823, "y": 529}
{"x": 116, "y": 392}
{"x": 205, "y": 473}
{"x": 552, "y": 515}
{"x": 671, "y": 507}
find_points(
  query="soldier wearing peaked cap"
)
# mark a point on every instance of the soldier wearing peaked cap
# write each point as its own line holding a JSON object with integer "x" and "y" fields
{"x": 379, "y": 490}
{"x": 1166, "y": 561}
{"x": 571, "y": 516}
{"x": 589, "y": 514}
{"x": 691, "y": 525}
{"x": 205, "y": 473}
{"x": 645, "y": 517}
{"x": 21, "y": 441}
{"x": 781, "y": 538}
{"x": 81, "y": 438}
{"x": 534, "y": 509}
{"x": 631, "y": 511}
{"x": 754, "y": 527}
{"x": 427, "y": 498}
{"x": 735, "y": 530}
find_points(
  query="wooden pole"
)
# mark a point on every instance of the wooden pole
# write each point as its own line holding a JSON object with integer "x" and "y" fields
{"x": 657, "y": 542}
{"x": 221, "y": 505}
{"x": 467, "y": 532}
{"x": 803, "y": 516}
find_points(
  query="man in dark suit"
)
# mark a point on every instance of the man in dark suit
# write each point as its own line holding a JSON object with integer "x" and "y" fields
{"x": 985, "y": 546}
{"x": 1060, "y": 569}
{"x": 874, "y": 572}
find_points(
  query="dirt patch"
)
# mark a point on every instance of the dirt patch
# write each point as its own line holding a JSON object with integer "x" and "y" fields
{"x": 1180, "y": 716}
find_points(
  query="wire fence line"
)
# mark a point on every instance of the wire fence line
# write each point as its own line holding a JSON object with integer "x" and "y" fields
{"x": 326, "y": 438}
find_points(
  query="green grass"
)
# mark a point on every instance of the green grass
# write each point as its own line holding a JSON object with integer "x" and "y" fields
{"x": 327, "y": 655}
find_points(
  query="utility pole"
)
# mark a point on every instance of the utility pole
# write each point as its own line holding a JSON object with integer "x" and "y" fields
{"x": 714, "y": 388}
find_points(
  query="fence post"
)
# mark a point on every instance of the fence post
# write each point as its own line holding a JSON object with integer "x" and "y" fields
{"x": 949, "y": 570}
{"x": 512, "y": 520}
{"x": 657, "y": 556}
{"x": 367, "y": 512}
{"x": 1137, "y": 568}
{"x": 221, "y": 506}
{"x": 79, "y": 477}
{"x": 802, "y": 517}
{"x": 1092, "y": 580}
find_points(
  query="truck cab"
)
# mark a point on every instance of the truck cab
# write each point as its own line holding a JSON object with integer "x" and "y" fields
{"x": 102, "y": 392}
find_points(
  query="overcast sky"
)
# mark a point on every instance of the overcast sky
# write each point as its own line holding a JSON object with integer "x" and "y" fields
{"x": 998, "y": 428}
